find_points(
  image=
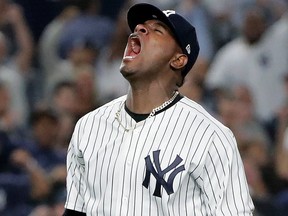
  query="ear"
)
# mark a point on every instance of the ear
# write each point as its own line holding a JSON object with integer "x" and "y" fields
{"x": 179, "y": 61}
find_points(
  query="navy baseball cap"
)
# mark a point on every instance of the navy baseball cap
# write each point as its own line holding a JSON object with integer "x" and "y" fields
{"x": 184, "y": 32}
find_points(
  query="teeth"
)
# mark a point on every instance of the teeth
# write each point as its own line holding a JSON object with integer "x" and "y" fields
{"x": 133, "y": 43}
{"x": 133, "y": 46}
{"x": 129, "y": 57}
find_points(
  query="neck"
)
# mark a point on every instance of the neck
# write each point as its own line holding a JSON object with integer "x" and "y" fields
{"x": 144, "y": 101}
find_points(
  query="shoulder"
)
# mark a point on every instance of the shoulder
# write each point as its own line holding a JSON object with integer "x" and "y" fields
{"x": 212, "y": 136}
{"x": 95, "y": 119}
{"x": 198, "y": 112}
{"x": 107, "y": 110}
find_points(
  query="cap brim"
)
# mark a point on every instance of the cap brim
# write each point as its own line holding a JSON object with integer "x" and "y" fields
{"x": 142, "y": 12}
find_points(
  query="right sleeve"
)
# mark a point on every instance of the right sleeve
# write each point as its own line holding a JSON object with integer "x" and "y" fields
{"x": 75, "y": 173}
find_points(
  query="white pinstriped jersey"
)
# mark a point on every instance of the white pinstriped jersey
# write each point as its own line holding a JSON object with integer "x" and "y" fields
{"x": 180, "y": 162}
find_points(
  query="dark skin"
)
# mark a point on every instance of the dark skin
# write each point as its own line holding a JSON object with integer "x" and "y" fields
{"x": 152, "y": 64}
{"x": 254, "y": 26}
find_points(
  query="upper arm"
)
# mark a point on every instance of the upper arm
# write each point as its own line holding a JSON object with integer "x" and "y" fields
{"x": 75, "y": 173}
{"x": 223, "y": 179}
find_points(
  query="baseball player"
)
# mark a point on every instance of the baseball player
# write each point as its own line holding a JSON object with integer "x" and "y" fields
{"x": 153, "y": 151}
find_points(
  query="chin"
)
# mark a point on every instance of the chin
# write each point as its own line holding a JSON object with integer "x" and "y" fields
{"x": 124, "y": 70}
{"x": 129, "y": 75}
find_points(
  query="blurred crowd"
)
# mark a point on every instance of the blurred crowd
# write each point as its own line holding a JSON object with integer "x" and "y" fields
{"x": 59, "y": 59}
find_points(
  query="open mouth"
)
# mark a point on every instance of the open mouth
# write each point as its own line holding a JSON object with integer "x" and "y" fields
{"x": 134, "y": 47}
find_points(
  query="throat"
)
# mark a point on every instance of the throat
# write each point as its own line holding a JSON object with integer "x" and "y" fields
{"x": 167, "y": 104}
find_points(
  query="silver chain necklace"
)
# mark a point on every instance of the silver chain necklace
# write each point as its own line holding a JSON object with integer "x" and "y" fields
{"x": 157, "y": 109}
{"x": 165, "y": 104}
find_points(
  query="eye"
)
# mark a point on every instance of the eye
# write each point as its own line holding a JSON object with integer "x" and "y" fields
{"x": 157, "y": 27}
{"x": 158, "y": 30}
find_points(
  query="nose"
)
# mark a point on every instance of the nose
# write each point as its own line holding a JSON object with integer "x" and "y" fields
{"x": 141, "y": 28}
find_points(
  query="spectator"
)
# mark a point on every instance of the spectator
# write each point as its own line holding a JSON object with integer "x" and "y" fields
{"x": 86, "y": 90}
{"x": 6, "y": 116}
{"x": 16, "y": 55}
{"x": 64, "y": 99}
{"x": 13, "y": 25}
{"x": 227, "y": 16}
{"x": 195, "y": 12}
{"x": 247, "y": 60}
{"x": 39, "y": 158}
{"x": 108, "y": 62}
{"x": 49, "y": 39}
{"x": 112, "y": 8}
{"x": 235, "y": 109}
{"x": 16, "y": 187}
{"x": 193, "y": 87}
{"x": 88, "y": 27}
{"x": 64, "y": 103}
{"x": 74, "y": 38}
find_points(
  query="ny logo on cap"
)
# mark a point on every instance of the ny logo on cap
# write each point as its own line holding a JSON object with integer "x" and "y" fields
{"x": 169, "y": 12}
{"x": 188, "y": 49}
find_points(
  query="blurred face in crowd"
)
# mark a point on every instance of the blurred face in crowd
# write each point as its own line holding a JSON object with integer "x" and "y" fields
{"x": 83, "y": 55}
{"x": 5, "y": 99}
{"x": 45, "y": 131}
{"x": 65, "y": 99}
{"x": 3, "y": 47}
{"x": 254, "y": 25}
{"x": 85, "y": 82}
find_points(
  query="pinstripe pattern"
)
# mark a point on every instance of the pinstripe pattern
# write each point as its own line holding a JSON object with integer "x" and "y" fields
{"x": 106, "y": 165}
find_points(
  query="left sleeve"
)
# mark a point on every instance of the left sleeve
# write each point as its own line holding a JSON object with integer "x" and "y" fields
{"x": 223, "y": 178}
{"x": 75, "y": 173}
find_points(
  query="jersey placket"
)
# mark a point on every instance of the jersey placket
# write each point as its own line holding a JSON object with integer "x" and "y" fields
{"x": 124, "y": 164}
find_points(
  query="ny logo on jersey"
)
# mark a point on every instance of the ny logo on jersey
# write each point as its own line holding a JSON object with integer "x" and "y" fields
{"x": 158, "y": 173}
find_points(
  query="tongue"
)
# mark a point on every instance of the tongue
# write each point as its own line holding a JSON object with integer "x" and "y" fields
{"x": 136, "y": 49}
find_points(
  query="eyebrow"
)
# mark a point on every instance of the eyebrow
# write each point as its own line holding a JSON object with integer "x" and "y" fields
{"x": 161, "y": 24}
